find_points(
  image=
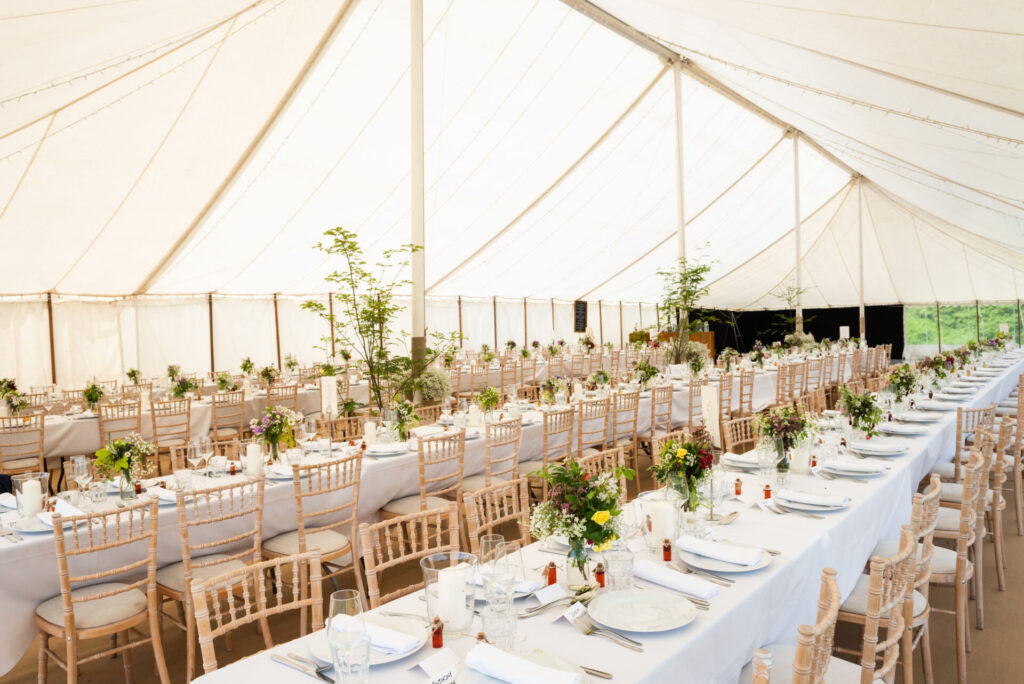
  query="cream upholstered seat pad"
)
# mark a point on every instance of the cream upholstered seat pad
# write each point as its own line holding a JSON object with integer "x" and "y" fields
{"x": 943, "y": 559}
{"x": 91, "y": 614}
{"x": 953, "y": 492}
{"x": 857, "y": 601}
{"x": 839, "y": 671}
{"x": 328, "y": 541}
{"x": 946, "y": 470}
{"x": 411, "y": 504}
{"x": 529, "y": 466}
{"x": 173, "y": 576}
{"x": 225, "y": 433}
{"x": 475, "y": 483}
{"x": 948, "y": 519}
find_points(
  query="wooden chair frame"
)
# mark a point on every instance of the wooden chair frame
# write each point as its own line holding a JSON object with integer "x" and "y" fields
{"x": 495, "y": 506}
{"x": 22, "y": 442}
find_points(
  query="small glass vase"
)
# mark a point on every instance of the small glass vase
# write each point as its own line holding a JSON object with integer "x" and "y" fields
{"x": 577, "y": 569}
{"x": 689, "y": 498}
{"x": 274, "y": 451}
{"x": 127, "y": 487}
{"x": 782, "y": 459}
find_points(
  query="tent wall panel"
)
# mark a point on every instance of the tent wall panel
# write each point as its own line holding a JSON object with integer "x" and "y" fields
{"x": 302, "y": 331}
{"x": 176, "y": 330}
{"x": 243, "y": 327}
{"x": 87, "y": 341}
{"x": 539, "y": 325}
{"x": 25, "y": 351}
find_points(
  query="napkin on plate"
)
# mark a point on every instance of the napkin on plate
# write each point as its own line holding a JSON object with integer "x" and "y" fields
{"x": 382, "y": 639}
{"x": 279, "y": 470}
{"x": 7, "y": 500}
{"x": 856, "y": 465}
{"x": 507, "y": 667}
{"x": 165, "y": 495}
{"x": 812, "y": 499}
{"x": 667, "y": 577}
{"x": 876, "y": 446}
{"x": 62, "y": 507}
{"x": 737, "y": 555}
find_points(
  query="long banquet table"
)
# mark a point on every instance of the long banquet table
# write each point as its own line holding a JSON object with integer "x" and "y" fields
{"x": 762, "y": 607}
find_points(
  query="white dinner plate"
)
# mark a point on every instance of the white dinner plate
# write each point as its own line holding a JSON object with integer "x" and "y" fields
{"x": 878, "y": 448}
{"x": 936, "y": 406}
{"x": 741, "y": 465}
{"x": 805, "y": 507}
{"x": 389, "y": 449}
{"x": 469, "y": 676}
{"x": 838, "y": 469}
{"x": 918, "y": 417}
{"x": 903, "y": 430}
{"x": 642, "y": 610}
{"x": 948, "y": 397}
{"x": 955, "y": 389}
{"x": 714, "y": 565}
{"x": 975, "y": 380}
{"x": 320, "y": 650}
{"x": 32, "y": 526}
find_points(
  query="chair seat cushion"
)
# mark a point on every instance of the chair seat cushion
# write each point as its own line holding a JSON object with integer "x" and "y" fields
{"x": 857, "y": 601}
{"x": 173, "y": 442}
{"x": 328, "y": 541}
{"x": 411, "y": 504}
{"x": 839, "y": 671}
{"x": 91, "y": 614}
{"x": 943, "y": 559}
{"x": 528, "y": 467}
{"x": 225, "y": 433}
{"x": 22, "y": 463}
{"x": 590, "y": 451}
{"x": 953, "y": 492}
{"x": 173, "y": 576}
{"x": 948, "y": 519}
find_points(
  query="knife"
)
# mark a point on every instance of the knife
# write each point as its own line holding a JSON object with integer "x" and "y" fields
{"x": 277, "y": 658}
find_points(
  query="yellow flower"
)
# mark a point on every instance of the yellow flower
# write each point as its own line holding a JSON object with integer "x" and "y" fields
{"x": 601, "y": 517}
{"x": 680, "y": 453}
{"x": 604, "y": 547}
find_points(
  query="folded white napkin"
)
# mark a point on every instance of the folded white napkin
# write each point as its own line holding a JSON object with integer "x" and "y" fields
{"x": 667, "y": 577}
{"x": 166, "y": 495}
{"x": 382, "y": 638}
{"x": 523, "y": 587}
{"x": 749, "y": 458}
{"x": 737, "y": 555}
{"x": 7, "y": 500}
{"x": 507, "y": 667}
{"x": 875, "y": 446}
{"x": 62, "y": 507}
{"x": 857, "y": 465}
{"x": 391, "y": 448}
{"x": 813, "y": 499}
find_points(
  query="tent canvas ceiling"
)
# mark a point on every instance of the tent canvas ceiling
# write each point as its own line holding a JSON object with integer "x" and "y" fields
{"x": 179, "y": 146}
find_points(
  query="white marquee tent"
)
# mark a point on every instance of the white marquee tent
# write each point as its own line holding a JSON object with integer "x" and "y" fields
{"x": 166, "y": 166}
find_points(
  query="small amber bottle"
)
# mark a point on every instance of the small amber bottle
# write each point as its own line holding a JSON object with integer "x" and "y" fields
{"x": 233, "y": 469}
{"x": 666, "y": 550}
{"x": 767, "y": 491}
{"x": 738, "y": 487}
{"x": 599, "y": 574}
{"x": 552, "y": 573}
{"x": 437, "y": 633}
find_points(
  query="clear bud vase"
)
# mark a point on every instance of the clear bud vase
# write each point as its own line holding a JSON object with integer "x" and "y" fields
{"x": 781, "y": 463}
{"x": 577, "y": 569}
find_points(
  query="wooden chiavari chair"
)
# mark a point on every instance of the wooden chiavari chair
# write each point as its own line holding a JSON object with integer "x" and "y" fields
{"x": 592, "y": 418}
{"x": 1015, "y": 454}
{"x": 231, "y": 449}
{"x": 556, "y": 366}
{"x": 798, "y": 378}
{"x": 327, "y": 508}
{"x": 746, "y": 403}
{"x": 136, "y": 391}
{"x": 74, "y": 398}
{"x": 615, "y": 366}
{"x": 577, "y": 365}
{"x": 228, "y": 414}
{"x": 397, "y": 541}
{"x": 21, "y": 445}
{"x": 725, "y": 387}
{"x": 856, "y": 365}
{"x": 694, "y": 416}
{"x": 812, "y": 658}
{"x": 968, "y": 423}
{"x": 428, "y": 415}
{"x": 36, "y": 400}
{"x": 104, "y": 607}
{"x": 117, "y": 421}
{"x": 206, "y": 552}
{"x": 556, "y": 446}
{"x": 109, "y": 386}
{"x": 813, "y": 375}
{"x": 253, "y": 602}
{"x": 529, "y": 388}
{"x": 496, "y": 507}
{"x": 661, "y": 415}
{"x": 49, "y": 389}
{"x": 171, "y": 421}
{"x": 341, "y": 429}
{"x": 307, "y": 375}
{"x": 455, "y": 378}
{"x": 286, "y": 396}
{"x": 605, "y": 462}
{"x": 739, "y": 434}
{"x": 502, "y": 441}
{"x": 441, "y": 460}
{"x": 508, "y": 389}
{"x": 622, "y": 424}
{"x": 479, "y": 373}
{"x": 783, "y": 385}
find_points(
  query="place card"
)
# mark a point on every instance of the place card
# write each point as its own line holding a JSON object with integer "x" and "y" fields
{"x": 574, "y": 612}
{"x": 550, "y": 593}
{"x": 442, "y": 667}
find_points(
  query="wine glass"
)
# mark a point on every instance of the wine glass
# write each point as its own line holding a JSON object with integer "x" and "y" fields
{"x": 310, "y": 430}
{"x": 204, "y": 449}
{"x": 347, "y": 637}
{"x": 192, "y": 454}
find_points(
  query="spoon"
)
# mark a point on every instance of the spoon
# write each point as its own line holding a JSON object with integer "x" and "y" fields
{"x": 728, "y": 517}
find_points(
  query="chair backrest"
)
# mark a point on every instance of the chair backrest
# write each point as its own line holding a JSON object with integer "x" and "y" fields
{"x": 284, "y": 395}
{"x": 556, "y": 366}
{"x": 503, "y": 440}
{"x": 812, "y": 375}
{"x": 171, "y": 420}
{"x": 509, "y": 375}
{"x": 924, "y": 517}
{"x": 219, "y": 525}
{"x": 72, "y": 397}
{"x": 119, "y": 420}
{"x": 343, "y": 428}
{"x": 592, "y": 423}
{"x": 441, "y": 459}
{"x": 784, "y": 384}
{"x": 36, "y": 399}
{"x": 725, "y": 382}
{"x": 625, "y": 411}
{"x": 746, "y": 403}
{"x": 327, "y": 497}
{"x": 135, "y": 391}
{"x": 814, "y": 643}
{"x": 228, "y": 411}
{"x": 494, "y": 507}
{"x": 404, "y": 539}
{"x": 798, "y": 374}
{"x": 693, "y": 418}
{"x": 661, "y": 409}
{"x": 576, "y": 365}
{"x": 231, "y": 449}
{"x": 890, "y": 580}
{"x": 21, "y": 444}
{"x": 856, "y": 364}
{"x": 968, "y": 422}
{"x": 455, "y": 376}
{"x": 252, "y": 602}
{"x": 740, "y": 434}
{"x": 839, "y": 369}
{"x": 478, "y": 375}
{"x": 121, "y": 541}
{"x": 307, "y": 375}
{"x": 428, "y": 415}
{"x": 605, "y": 462}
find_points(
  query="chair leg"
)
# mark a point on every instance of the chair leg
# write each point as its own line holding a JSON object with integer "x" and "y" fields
{"x": 907, "y": 651}
{"x": 926, "y": 654}
{"x": 44, "y": 640}
{"x": 997, "y": 540}
{"x": 126, "y": 657}
{"x": 979, "y": 584}
{"x": 962, "y": 633}
{"x": 155, "y": 627}
{"x": 190, "y": 639}
{"x": 1018, "y": 494}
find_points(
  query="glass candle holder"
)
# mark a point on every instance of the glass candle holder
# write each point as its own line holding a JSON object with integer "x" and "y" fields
{"x": 450, "y": 587}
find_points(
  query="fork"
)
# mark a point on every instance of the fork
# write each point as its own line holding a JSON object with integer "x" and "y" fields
{"x": 584, "y": 625}
{"x": 10, "y": 535}
{"x": 802, "y": 514}
{"x": 830, "y": 476}
{"x": 709, "y": 576}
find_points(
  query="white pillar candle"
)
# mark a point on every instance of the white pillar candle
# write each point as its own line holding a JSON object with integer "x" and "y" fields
{"x": 370, "y": 433}
{"x": 328, "y": 395}
{"x": 253, "y": 459}
{"x": 32, "y": 497}
{"x": 451, "y": 594}
{"x": 659, "y": 521}
{"x": 475, "y": 417}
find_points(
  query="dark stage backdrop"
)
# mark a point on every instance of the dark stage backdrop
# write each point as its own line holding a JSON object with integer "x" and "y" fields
{"x": 739, "y": 329}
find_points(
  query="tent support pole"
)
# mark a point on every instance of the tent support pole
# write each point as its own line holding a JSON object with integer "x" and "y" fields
{"x": 977, "y": 320}
{"x": 1018, "y": 322}
{"x": 657, "y": 316}
{"x": 419, "y": 304}
{"x": 860, "y": 254}
{"x": 677, "y": 80}
{"x": 796, "y": 231}
{"x": 526, "y": 335}
{"x": 600, "y": 321}
{"x": 494, "y": 319}
{"x": 938, "y": 325}
{"x": 330, "y": 310}
{"x": 460, "y": 321}
{"x": 620, "y": 324}
{"x": 209, "y": 309}
{"x": 53, "y": 356}
{"x": 277, "y": 333}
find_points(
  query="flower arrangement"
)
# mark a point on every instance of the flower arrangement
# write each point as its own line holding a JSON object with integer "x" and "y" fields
{"x": 535, "y": 345}
{"x": 693, "y": 354}
{"x": 584, "y": 509}
{"x": 786, "y": 427}
{"x": 345, "y": 355}
{"x": 268, "y": 374}
{"x": 326, "y": 369}
{"x": 173, "y": 371}
{"x": 225, "y": 383}
{"x": 1000, "y": 340}
{"x": 484, "y": 348}
{"x": 524, "y": 353}
{"x": 758, "y": 354}
{"x": 903, "y": 381}
{"x": 448, "y": 358}
{"x": 938, "y": 365}
{"x": 405, "y": 417}
{"x": 609, "y": 346}
{"x": 852, "y": 342}
{"x": 599, "y": 377}
{"x": 127, "y": 458}
{"x": 487, "y": 356}
{"x": 489, "y": 399}
{"x": 638, "y": 339}
{"x": 961, "y": 355}
{"x": 645, "y": 372}
{"x": 550, "y": 388}
{"x": 561, "y": 342}
{"x": 778, "y": 349}
{"x": 247, "y": 366}
{"x": 9, "y": 393}
{"x": 183, "y": 386}
{"x": 729, "y": 357}
{"x": 433, "y": 385}
{"x": 973, "y": 348}
{"x": 290, "y": 362}
{"x": 134, "y": 375}
{"x": 825, "y": 344}
{"x": 554, "y": 349}
{"x": 587, "y": 342}
{"x": 682, "y": 465}
{"x": 800, "y": 340}
{"x": 92, "y": 394}
{"x": 275, "y": 428}
{"x": 863, "y": 410}
{"x": 510, "y": 345}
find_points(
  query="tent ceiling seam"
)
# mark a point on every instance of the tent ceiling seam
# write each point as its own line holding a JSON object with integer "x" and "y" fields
{"x": 28, "y": 167}
{"x": 835, "y": 241}
{"x": 878, "y": 241}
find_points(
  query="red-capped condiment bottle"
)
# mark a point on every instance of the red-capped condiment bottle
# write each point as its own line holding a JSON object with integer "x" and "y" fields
{"x": 437, "y": 633}
{"x": 767, "y": 491}
{"x": 738, "y": 486}
{"x": 599, "y": 574}
{"x": 666, "y": 550}
{"x": 233, "y": 468}
{"x": 552, "y": 573}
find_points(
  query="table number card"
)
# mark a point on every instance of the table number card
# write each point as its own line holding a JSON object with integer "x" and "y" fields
{"x": 844, "y": 332}
{"x": 442, "y": 667}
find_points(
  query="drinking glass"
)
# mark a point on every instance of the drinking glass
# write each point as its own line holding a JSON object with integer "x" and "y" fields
{"x": 618, "y": 569}
{"x": 491, "y": 549}
{"x": 498, "y": 616}
{"x": 205, "y": 448}
{"x": 347, "y": 638}
{"x": 450, "y": 584}
{"x": 310, "y": 430}
{"x": 766, "y": 454}
{"x": 183, "y": 480}
{"x": 192, "y": 454}
{"x": 98, "y": 492}
{"x": 81, "y": 471}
